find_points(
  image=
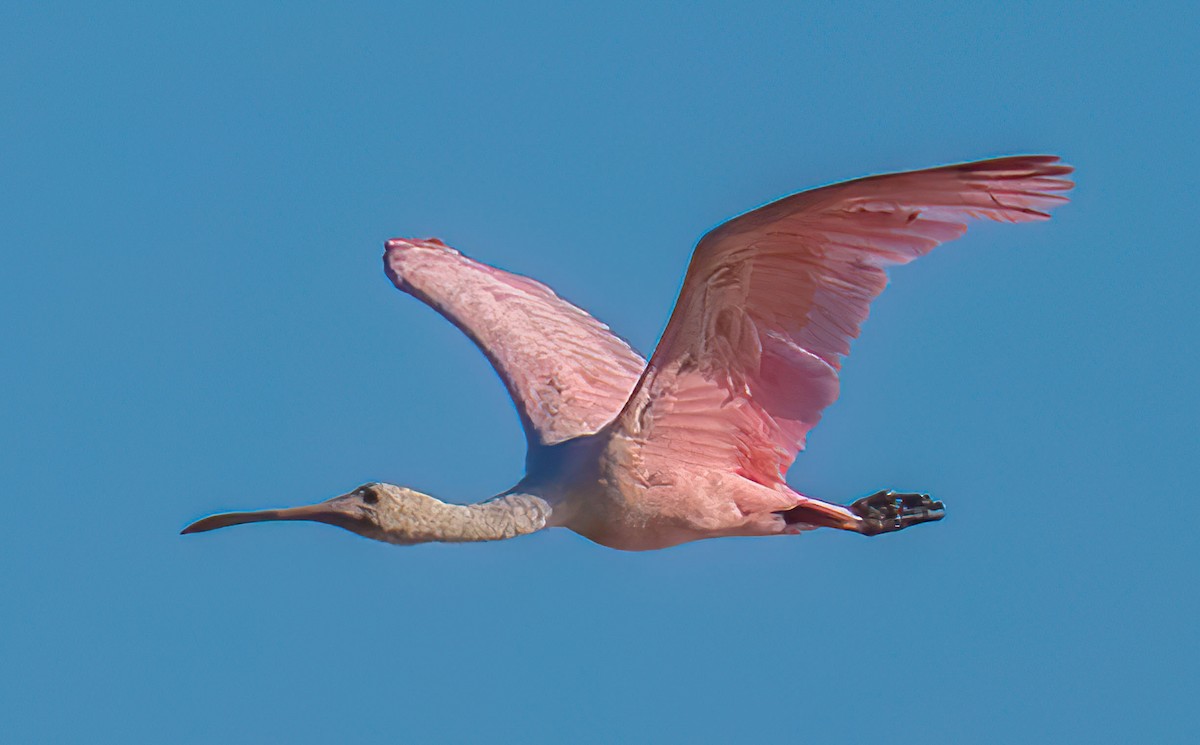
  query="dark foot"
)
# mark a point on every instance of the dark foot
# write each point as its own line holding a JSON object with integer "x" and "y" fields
{"x": 886, "y": 511}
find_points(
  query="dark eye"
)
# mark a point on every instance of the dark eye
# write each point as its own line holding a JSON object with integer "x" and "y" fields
{"x": 369, "y": 496}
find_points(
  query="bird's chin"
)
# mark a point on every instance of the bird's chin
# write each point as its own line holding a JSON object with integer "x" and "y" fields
{"x": 352, "y": 523}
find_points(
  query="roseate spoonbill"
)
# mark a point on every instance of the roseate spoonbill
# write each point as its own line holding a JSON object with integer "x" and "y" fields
{"x": 695, "y": 443}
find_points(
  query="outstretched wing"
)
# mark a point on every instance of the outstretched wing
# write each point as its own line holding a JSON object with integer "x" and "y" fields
{"x": 773, "y": 297}
{"x": 566, "y": 372}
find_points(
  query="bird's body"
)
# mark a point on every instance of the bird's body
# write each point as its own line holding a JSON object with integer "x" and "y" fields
{"x": 596, "y": 486}
{"x": 694, "y": 443}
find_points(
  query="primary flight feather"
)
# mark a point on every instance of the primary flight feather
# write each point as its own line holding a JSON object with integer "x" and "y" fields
{"x": 696, "y": 443}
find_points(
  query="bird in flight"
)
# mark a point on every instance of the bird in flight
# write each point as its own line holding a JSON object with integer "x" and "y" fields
{"x": 696, "y": 442}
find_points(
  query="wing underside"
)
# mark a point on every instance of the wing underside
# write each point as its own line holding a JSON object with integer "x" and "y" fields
{"x": 566, "y": 372}
{"x": 772, "y": 299}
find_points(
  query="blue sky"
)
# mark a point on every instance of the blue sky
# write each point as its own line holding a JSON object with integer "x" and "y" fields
{"x": 196, "y": 318}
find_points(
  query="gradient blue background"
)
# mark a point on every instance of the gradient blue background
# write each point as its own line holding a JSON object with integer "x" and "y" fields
{"x": 195, "y": 318}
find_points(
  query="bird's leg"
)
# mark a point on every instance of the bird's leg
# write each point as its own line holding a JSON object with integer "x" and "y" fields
{"x": 886, "y": 511}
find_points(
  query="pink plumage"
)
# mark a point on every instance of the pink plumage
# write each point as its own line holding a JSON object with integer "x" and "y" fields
{"x": 566, "y": 372}
{"x": 773, "y": 297}
{"x": 696, "y": 443}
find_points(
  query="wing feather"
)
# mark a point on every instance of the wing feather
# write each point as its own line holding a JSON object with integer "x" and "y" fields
{"x": 566, "y": 372}
{"x": 772, "y": 299}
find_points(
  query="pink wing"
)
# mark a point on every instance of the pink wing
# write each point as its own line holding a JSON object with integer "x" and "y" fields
{"x": 566, "y": 372}
{"x": 773, "y": 297}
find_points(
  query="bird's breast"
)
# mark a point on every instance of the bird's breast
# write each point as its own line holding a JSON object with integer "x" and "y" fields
{"x": 610, "y": 498}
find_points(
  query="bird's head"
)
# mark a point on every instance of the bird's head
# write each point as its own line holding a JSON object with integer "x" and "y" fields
{"x": 372, "y": 510}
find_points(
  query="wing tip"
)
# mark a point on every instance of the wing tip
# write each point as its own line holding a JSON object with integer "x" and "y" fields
{"x": 1024, "y": 188}
{"x": 1020, "y": 166}
{"x": 402, "y": 244}
{"x": 396, "y": 250}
